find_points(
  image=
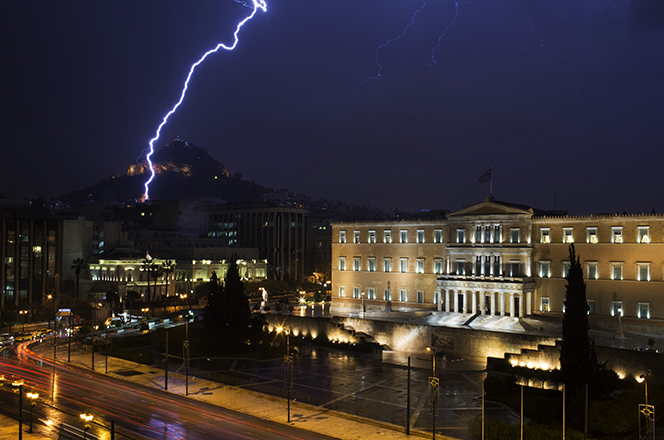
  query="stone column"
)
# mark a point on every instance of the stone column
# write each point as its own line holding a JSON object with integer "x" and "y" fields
{"x": 511, "y": 304}
{"x": 473, "y": 300}
{"x": 482, "y": 302}
{"x": 465, "y": 302}
{"x": 521, "y": 305}
{"x": 493, "y": 304}
{"x": 447, "y": 300}
{"x": 439, "y": 303}
{"x": 502, "y": 303}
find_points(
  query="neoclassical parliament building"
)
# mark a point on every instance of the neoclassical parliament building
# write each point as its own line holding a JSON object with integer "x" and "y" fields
{"x": 500, "y": 259}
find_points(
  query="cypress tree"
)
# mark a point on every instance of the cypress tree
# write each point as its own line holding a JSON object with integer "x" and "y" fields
{"x": 575, "y": 349}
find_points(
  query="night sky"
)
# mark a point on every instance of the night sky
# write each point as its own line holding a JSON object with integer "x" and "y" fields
{"x": 565, "y": 95}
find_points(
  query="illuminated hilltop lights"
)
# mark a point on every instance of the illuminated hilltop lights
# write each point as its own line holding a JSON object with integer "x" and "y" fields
{"x": 257, "y": 4}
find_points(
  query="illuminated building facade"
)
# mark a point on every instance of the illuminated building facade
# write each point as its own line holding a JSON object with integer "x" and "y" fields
{"x": 124, "y": 271}
{"x": 500, "y": 259}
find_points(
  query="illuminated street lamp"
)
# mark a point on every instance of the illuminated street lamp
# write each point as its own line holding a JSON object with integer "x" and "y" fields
{"x": 32, "y": 397}
{"x": 24, "y": 316}
{"x": 87, "y": 418}
{"x": 648, "y": 412}
{"x": 288, "y": 365}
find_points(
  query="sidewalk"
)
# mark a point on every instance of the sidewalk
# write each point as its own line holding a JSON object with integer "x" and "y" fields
{"x": 307, "y": 417}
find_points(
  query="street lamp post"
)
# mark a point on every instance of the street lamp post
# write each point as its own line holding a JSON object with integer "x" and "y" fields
{"x": 288, "y": 373}
{"x": 185, "y": 355}
{"x": 32, "y": 397}
{"x": 433, "y": 403}
{"x": 648, "y": 412}
{"x": 24, "y": 317}
{"x": 87, "y": 418}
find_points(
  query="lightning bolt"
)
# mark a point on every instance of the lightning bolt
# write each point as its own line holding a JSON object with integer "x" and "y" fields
{"x": 551, "y": 52}
{"x": 392, "y": 40}
{"x": 440, "y": 39}
{"x": 255, "y": 6}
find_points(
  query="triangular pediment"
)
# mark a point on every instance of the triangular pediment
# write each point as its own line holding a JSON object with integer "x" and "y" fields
{"x": 490, "y": 208}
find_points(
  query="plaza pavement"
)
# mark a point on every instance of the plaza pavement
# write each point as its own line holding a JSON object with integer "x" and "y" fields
{"x": 307, "y": 417}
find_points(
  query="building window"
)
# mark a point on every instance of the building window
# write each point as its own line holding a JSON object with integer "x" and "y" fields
{"x": 496, "y": 234}
{"x": 644, "y": 236}
{"x": 567, "y": 235}
{"x": 372, "y": 293}
{"x": 356, "y": 237}
{"x": 357, "y": 264}
{"x": 487, "y": 265}
{"x": 372, "y": 264}
{"x": 496, "y": 266}
{"x": 438, "y": 236}
{"x": 460, "y": 267}
{"x": 342, "y": 236}
{"x": 616, "y": 271}
{"x": 438, "y": 266}
{"x": 420, "y": 235}
{"x": 387, "y": 264}
{"x": 342, "y": 263}
{"x": 478, "y": 265}
{"x": 387, "y": 296}
{"x": 617, "y": 308}
{"x": 487, "y": 234}
{"x": 644, "y": 310}
{"x": 436, "y": 297}
{"x": 545, "y": 235}
{"x": 461, "y": 236}
{"x": 591, "y": 236}
{"x": 404, "y": 236}
{"x": 387, "y": 236}
{"x": 643, "y": 271}
{"x": 545, "y": 305}
{"x": 545, "y": 269}
{"x": 617, "y": 234}
{"x": 478, "y": 234}
{"x": 565, "y": 269}
{"x": 592, "y": 307}
{"x": 420, "y": 265}
{"x": 420, "y": 296}
{"x": 514, "y": 268}
{"x": 592, "y": 270}
{"x": 403, "y": 295}
{"x": 342, "y": 291}
{"x": 403, "y": 265}
{"x": 372, "y": 237}
{"x": 514, "y": 233}
{"x": 356, "y": 292}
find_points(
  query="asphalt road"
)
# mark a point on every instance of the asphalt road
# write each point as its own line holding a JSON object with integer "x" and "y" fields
{"x": 137, "y": 411}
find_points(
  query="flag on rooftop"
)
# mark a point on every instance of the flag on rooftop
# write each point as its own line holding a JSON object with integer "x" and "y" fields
{"x": 486, "y": 177}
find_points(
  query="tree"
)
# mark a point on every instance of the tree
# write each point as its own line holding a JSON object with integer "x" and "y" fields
{"x": 151, "y": 268}
{"x": 112, "y": 298}
{"x": 78, "y": 265}
{"x": 227, "y": 312}
{"x": 167, "y": 268}
{"x": 575, "y": 349}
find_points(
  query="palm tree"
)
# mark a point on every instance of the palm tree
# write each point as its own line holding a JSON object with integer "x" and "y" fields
{"x": 167, "y": 268}
{"x": 77, "y": 266}
{"x": 152, "y": 269}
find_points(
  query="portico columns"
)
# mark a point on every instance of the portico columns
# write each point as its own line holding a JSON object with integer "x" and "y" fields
{"x": 502, "y": 304}
{"x": 447, "y": 300}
